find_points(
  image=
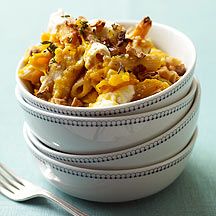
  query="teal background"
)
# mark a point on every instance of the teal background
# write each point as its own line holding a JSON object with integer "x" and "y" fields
{"x": 21, "y": 22}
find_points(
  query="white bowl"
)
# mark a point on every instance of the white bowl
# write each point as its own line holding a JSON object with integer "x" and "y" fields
{"x": 166, "y": 38}
{"x": 82, "y": 135}
{"x": 158, "y": 149}
{"x": 112, "y": 185}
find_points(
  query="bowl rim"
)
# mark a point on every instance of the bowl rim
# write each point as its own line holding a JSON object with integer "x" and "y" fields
{"x": 186, "y": 76}
{"x": 107, "y": 173}
{"x": 193, "y": 110}
{"x": 180, "y": 103}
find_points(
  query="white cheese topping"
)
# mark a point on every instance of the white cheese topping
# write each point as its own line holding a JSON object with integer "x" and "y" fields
{"x": 125, "y": 94}
{"x": 95, "y": 48}
{"x": 55, "y": 20}
{"x": 120, "y": 96}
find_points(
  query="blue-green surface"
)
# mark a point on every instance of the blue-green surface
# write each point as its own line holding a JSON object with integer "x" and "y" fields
{"x": 21, "y": 22}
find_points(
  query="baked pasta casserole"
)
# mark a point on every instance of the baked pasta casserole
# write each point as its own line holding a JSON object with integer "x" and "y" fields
{"x": 97, "y": 64}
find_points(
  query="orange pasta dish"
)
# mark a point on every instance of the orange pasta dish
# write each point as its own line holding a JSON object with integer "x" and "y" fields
{"x": 97, "y": 63}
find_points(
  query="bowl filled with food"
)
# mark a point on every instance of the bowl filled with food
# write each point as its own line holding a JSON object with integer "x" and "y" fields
{"x": 94, "y": 135}
{"x": 102, "y": 68}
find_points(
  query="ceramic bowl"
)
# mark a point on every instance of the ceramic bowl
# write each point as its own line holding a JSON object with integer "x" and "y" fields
{"x": 112, "y": 185}
{"x": 166, "y": 38}
{"x": 85, "y": 135}
{"x": 158, "y": 149}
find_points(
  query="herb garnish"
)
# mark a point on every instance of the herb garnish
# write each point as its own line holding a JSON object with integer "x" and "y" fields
{"x": 121, "y": 68}
{"x": 45, "y": 42}
{"x": 53, "y": 60}
{"x": 84, "y": 25}
{"x": 65, "y": 16}
{"x": 51, "y": 48}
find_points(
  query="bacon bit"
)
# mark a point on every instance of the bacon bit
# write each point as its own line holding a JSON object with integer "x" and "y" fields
{"x": 76, "y": 102}
{"x": 139, "y": 69}
{"x": 116, "y": 50}
{"x": 124, "y": 42}
{"x": 139, "y": 72}
{"x": 120, "y": 48}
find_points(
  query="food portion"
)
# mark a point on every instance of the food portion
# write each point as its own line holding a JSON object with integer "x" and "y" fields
{"x": 97, "y": 64}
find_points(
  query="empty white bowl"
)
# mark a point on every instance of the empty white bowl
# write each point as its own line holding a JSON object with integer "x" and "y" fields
{"x": 82, "y": 135}
{"x": 158, "y": 149}
{"x": 164, "y": 37}
{"x": 112, "y": 185}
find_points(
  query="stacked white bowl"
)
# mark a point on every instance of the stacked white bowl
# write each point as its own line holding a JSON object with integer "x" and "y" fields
{"x": 118, "y": 153}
